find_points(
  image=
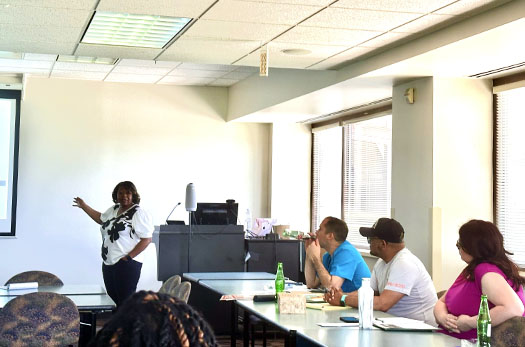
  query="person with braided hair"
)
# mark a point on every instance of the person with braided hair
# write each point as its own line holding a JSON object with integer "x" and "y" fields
{"x": 154, "y": 319}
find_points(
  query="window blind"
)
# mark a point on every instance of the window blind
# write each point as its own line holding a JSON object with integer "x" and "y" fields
{"x": 510, "y": 170}
{"x": 326, "y": 175}
{"x": 367, "y": 165}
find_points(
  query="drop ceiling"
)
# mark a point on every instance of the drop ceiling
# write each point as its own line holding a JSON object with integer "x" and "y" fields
{"x": 221, "y": 46}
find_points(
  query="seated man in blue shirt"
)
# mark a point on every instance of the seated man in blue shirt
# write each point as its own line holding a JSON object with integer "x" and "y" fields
{"x": 341, "y": 266}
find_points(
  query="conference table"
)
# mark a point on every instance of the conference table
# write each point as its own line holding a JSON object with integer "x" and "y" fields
{"x": 89, "y": 299}
{"x": 304, "y": 329}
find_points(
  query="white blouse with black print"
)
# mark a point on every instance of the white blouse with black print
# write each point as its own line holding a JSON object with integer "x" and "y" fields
{"x": 121, "y": 233}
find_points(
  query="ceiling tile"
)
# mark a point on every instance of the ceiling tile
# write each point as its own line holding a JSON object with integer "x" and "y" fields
{"x": 47, "y": 33}
{"x": 298, "y": 2}
{"x": 277, "y": 58}
{"x": 326, "y": 36}
{"x": 197, "y": 73}
{"x": 71, "y": 4}
{"x": 148, "y": 63}
{"x": 83, "y": 75}
{"x": 238, "y": 75}
{"x": 359, "y": 19}
{"x": 142, "y": 70}
{"x": 422, "y": 23}
{"x": 260, "y": 12}
{"x": 104, "y": 51}
{"x": 21, "y": 63}
{"x": 207, "y": 67}
{"x": 34, "y": 71}
{"x": 415, "y": 6}
{"x": 341, "y": 58}
{"x": 223, "y": 82}
{"x": 460, "y": 7}
{"x": 38, "y": 47}
{"x": 235, "y": 30}
{"x": 208, "y": 50}
{"x": 43, "y": 16}
{"x": 41, "y": 57}
{"x": 384, "y": 39}
{"x": 121, "y": 77}
{"x": 180, "y": 80}
{"x": 82, "y": 67}
{"x": 241, "y": 68}
{"x": 179, "y": 8}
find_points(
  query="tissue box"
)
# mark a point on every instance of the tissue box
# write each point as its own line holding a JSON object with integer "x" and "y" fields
{"x": 291, "y": 303}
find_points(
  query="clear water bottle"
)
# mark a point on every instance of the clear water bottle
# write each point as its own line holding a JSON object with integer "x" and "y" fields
{"x": 365, "y": 296}
{"x": 248, "y": 221}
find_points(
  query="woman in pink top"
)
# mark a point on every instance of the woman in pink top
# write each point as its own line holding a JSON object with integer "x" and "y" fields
{"x": 490, "y": 272}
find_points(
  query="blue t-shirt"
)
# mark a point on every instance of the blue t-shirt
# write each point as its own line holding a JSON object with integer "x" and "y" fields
{"x": 347, "y": 263}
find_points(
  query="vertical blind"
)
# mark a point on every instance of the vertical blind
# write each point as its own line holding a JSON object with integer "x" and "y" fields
{"x": 510, "y": 170}
{"x": 351, "y": 176}
{"x": 326, "y": 175}
{"x": 367, "y": 174}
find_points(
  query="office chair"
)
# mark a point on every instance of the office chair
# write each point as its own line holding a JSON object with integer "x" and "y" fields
{"x": 39, "y": 319}
{"x": 510, "y": 333}
{"x": 43, "y": 278}
{"x": 170, "y": 284}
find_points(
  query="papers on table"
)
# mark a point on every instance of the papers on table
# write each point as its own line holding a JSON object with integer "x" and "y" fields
{"x": 19, "y": 286}
{"x": 324, "y": 306}
{"x": 401, "y": 323}
{"x": 341, "y": 324}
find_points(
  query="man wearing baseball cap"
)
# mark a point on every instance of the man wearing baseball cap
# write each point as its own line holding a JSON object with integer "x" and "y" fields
{"x": 402, "y": 285}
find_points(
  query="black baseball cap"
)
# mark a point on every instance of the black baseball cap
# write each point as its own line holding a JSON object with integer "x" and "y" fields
{"x": 387, "y": 229}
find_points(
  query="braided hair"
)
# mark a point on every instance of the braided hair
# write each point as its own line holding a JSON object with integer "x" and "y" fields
{"x": 154, "y": 319}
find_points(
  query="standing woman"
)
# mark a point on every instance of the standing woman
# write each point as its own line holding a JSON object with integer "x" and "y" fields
{"x": 126, "y": 232}
{"x": 489, "y": 271}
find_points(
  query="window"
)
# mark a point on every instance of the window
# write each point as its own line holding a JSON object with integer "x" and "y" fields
{"x": 510, "y": 170}
{"x": 9, "y": 128}
{"x": 352, "y": 178}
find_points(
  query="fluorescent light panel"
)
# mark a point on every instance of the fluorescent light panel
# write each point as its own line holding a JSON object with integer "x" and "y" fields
{"x": 10, "y": 55}
{"x": 124, "y": 29}
{"x": 86, "y": 60}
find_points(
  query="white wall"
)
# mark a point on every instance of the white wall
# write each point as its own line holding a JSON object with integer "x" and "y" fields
{"x": 462, "y": 167}
{"x": 80, "y": 138}
{"x": 291, "y": 175}
{"x": 442, "y": 167}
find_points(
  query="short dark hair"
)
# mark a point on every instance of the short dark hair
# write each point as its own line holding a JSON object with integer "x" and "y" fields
{"x": 337, "y": 227}
{"x": 484, "y": 242}
{"x": 129, "y": 186}
{"x": 155, "y": 319}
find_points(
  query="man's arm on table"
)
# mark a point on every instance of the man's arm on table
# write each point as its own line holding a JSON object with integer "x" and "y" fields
{"x": 382, "y": 302}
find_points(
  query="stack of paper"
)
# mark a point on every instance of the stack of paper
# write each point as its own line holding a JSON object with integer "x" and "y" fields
{"x": 401, "y": 323}
{"x": 24, "y": 285}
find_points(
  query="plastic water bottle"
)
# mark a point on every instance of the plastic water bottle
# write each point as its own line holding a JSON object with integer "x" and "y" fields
{"x": 484, "y": 323}
{"x": 248, "y": 221}
{"x": 365, "y": 296}
{"x": 279, "y": 280}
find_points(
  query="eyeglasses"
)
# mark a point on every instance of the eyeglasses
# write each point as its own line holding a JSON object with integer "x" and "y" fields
{"x": 369, "y": 239}
{"x": 458, "y": 245}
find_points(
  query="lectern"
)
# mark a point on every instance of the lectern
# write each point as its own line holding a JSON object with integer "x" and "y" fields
{"x": 213, "y": 248}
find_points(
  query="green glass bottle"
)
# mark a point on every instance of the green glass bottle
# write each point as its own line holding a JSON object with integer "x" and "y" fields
{"x": 484, "y": 323}
{"x": 279, "y": 280}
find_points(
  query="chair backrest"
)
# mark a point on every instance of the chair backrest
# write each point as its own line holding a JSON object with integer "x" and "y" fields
{"x": 170, "y": 284}
{"x": 510, "y": 333}
{"x": 43, "y": 278}
{"x": 39, "y": 319}
{"x": 182, "y": 291}
{"x": 441, "y": 293}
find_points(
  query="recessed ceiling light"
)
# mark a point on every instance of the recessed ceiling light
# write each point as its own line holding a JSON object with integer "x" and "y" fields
{"x": 11, "y": 55}
{"x": 86, "y": 60}
{"x": 124, "y": 29}
{"x": 296, "y": 51}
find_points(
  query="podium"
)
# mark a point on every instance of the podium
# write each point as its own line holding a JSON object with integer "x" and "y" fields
{"x": 213, "y": 248}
